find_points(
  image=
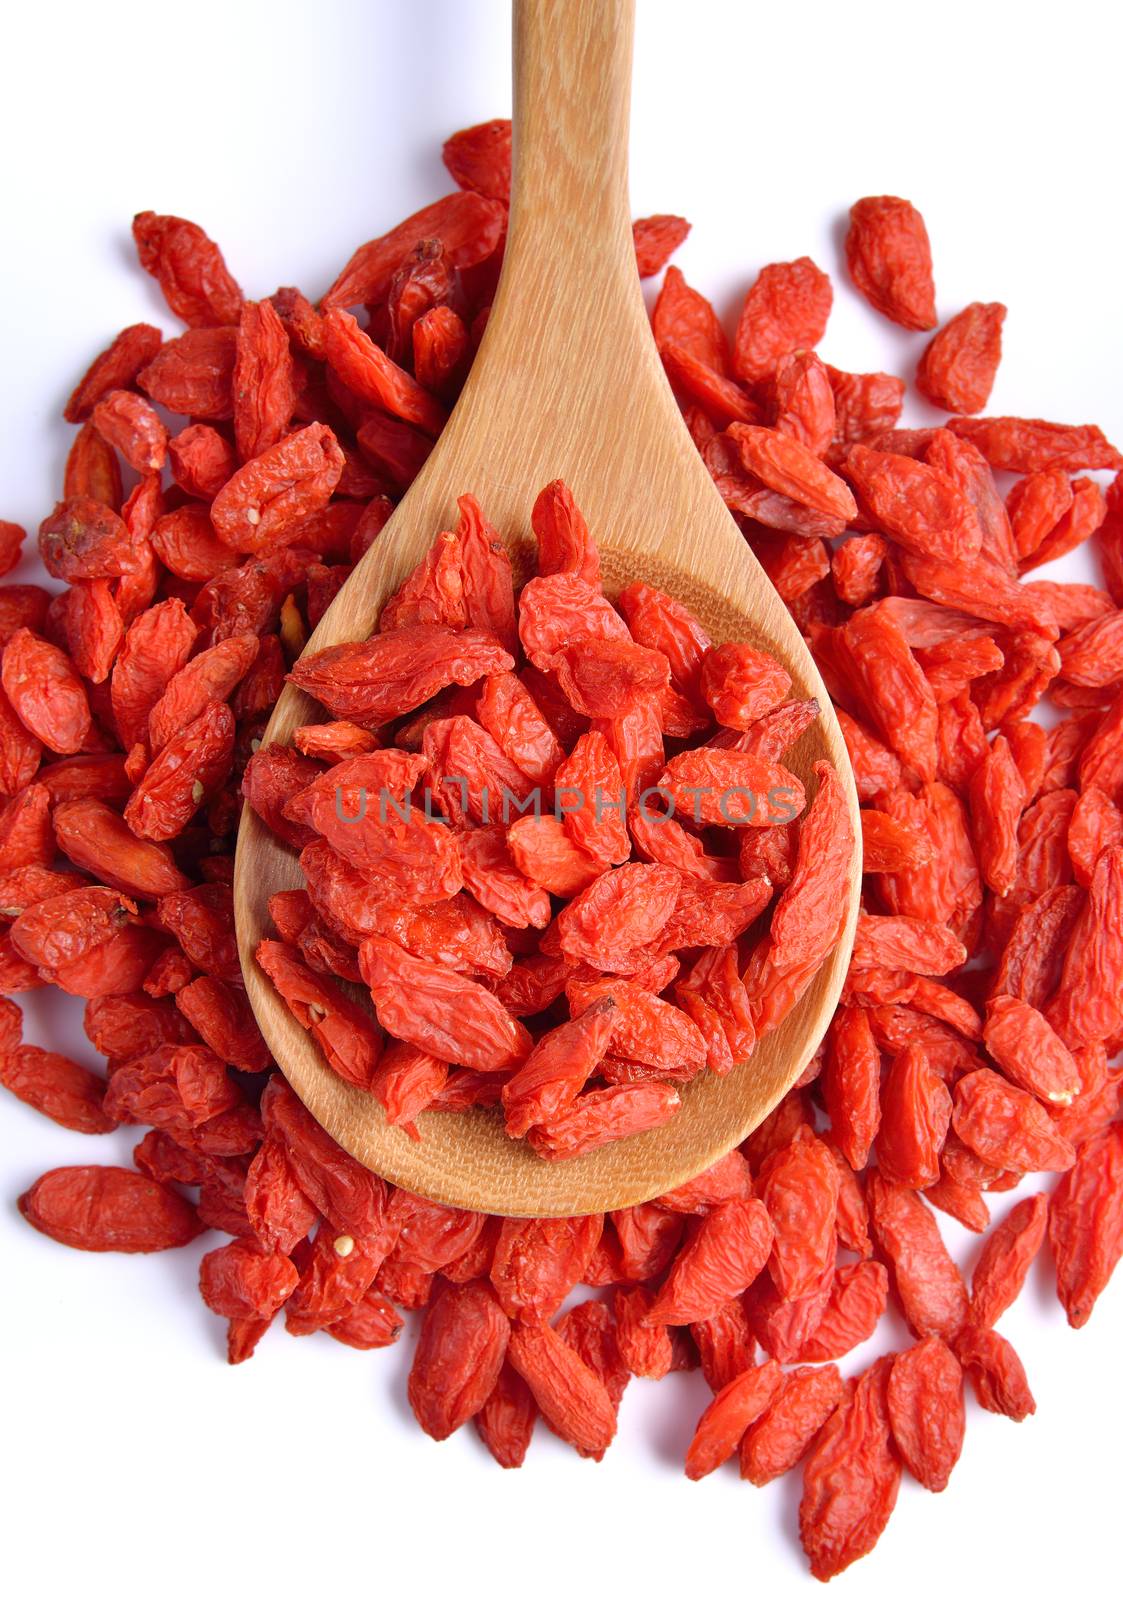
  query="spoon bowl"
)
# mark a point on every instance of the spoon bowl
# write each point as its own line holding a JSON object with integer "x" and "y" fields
{"x": 567, "y": 384}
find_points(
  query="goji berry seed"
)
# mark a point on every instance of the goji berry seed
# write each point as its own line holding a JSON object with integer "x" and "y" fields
{"x": 577, "y": 969}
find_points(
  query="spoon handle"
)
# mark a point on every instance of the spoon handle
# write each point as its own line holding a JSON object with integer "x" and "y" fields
{"x": 569, "y": 249}
{"x": 572, "y": 91}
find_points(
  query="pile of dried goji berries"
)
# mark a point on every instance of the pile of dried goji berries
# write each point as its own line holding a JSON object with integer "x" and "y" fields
{"x": 432, "y": 863}
{"x": 985, "y": 1001}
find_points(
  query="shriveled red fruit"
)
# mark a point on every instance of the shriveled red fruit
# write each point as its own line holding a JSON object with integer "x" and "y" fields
{"x": 241, "y": 1279}
{"x": 108, "y": 1208}
{"x": 458, "y": 1359}
{"x": 919, "y": 508}
{"x": 611, "y": 924}
{"x": 11, "y": 541}
{"x": 537, "y": 1261}
{"x": 786, "y": 309}
{"x": 996, "y": 1373}
{"x": 1022, "y": 444}
{"x": 557, "y": 1068}
{"x": 1005, "y": 1260}
{"x": 573, "y": 1401}
{"x": 852, "y": 1084}
{"x": 479, "y": 158}
{"x": 61, "y": 1089}
{"x": 186, "y": 773}
{"x": 64, "y": 927}
{"x": 726, "y": 1253}
{"x": 916, "y": 1111}
{"x": 267, "y": 499}
{"x": 194, "y": 374}
{"x": 725, "y": 1344}
{"x": 45, "y": 692}
{"x": 890, "y": 260}
{"x": 1006, "y": 1126}
{"x": 786, "y": 466}
{"x": 729, "y": 1414}
{"x": 647, "y": 1029}
{"x": 927, "y": 1281}
{"x": 114, "y": 368}
{"x": 741, "y": 684}
{"x": 352, "y": 1199}
{"x": 390, "y": 674}
{"x": 1086, "y": 1223}
{"x": 589, "y": 1330}
{"x": 1088, "y": 1004}
{"x": 440, "y": 1011}
{"x": 851, "y": 1478}
{"x": 925, "y": 1401}
{"x": 96, "y": 838}
{"x": 957, "y": 369}
{"x": 189, "y": 268}
{"x": 505, "y": 1422}
{"x": 731, "y": 788}
{"x": 600, "y": 1117}
{"x": 799, "y": 1187}
{"x": 657, "y": 238}
{"x": 131, "y": 425}
{"x": 1027, "y": 1050}
{"x": 647, "y": 1352}
{"x": 604, "y": 677}
{"x": 346, "y": 1035}
{"x": 855, "y": 1305}
{"x": 805, "y": 1399}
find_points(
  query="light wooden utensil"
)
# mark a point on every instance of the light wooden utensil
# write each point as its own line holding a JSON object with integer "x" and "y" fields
{"x": 567, "y": 384}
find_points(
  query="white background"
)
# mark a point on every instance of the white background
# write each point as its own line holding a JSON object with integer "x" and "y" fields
{"x": 132, "y": 1460}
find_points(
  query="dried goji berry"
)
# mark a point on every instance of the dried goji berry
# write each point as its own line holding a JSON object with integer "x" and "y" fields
{"x": 393, "y": 673}
{"x": 925, "y": 1401}
{"x": 572, "y": 1399}
{"x": 804, "y": 1400}
{"x": 468, "y": 225}
{"x": 1006, "y": 1126}
{"x": 189, "y": 268}
{"x": 916, "y": 1111}
{"x": 459, "y": 1357}
{"x": 506, "y": 1419}
{"x": 557, "y": 1068}
{"x": 851, "y": 1478}
{"x": 268, "y": 499}
{"x": 656, "y": 239}
{"x": 928, "y": 1283}
{"x": 996, "y": 1372}
{"x": 799, "y": 1187}
{"x": 857, "y": 1300}
{"x": 1005, "y": 1259}
{"x": 58, "y": 1087}
{"x": 732, "y": 1410}
{"x": 108, "y": 1208}
{"x": 115, "y": 368}
{"x": 589, "y": 1330}
{"x": 957, "y": 369}
{"x": 128, "y": 423}
{"x": 1086, "y": 1223}
{"x": 786, "y": 309}
{"x": 726, "y": 1253}
{"x": 45, "y": 692}
{"x": 890, "y": 260}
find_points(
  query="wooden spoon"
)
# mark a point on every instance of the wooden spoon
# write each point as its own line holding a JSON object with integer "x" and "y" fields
{"x": 567, "y": 384}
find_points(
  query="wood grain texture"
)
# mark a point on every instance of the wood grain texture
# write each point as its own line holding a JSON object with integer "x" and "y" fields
{"x": 568, "y": 384}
